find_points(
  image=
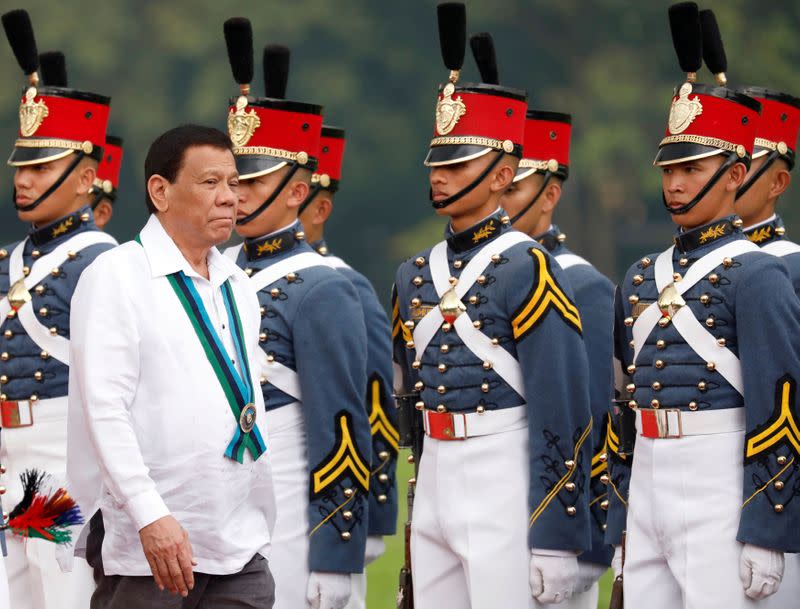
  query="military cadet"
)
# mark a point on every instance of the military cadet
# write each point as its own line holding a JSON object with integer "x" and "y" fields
{"x": 53, "y": 68}
{"x": 314, "y": 346}
{"x": 706, "y": 332}
{"x": 487, "y": 333}
{"x": 107, "y": 181}
{"x": 531, "y": 201}
{"x": 314, "y": 212}
{"x": 61, "y": 135}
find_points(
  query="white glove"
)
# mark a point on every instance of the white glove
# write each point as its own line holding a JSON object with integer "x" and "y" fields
{"x": 375, "y": 549}
{"x": 552, "y": 575}
{"x": 616, "y": 562}
{"x": 328, "y": 590}
{"x": 588, "y": 574}
{"x": 761, "y": 571}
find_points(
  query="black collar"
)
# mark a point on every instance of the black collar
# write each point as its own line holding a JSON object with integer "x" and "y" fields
{"x": 61, "y": 227}
{"x": 707, "y": 234}
{"x": 551, "y": 239}
{"x": 274, "y": 244}
{"x": 484, "y": 231}
{"x": 766, "y": 232}
{"x": 320, "y": 247}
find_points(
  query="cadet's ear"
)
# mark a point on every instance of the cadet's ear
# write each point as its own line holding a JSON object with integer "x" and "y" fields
{"x": 157, "y": 191}
{"x": 551, "y": 196}
{"x": 86, "y": 175}
{"x": 736, "y": 177}
{"x": 503, "y": 178}
{"x": 298, "y": 192}
{"x": 102, "y": 213}
{"x": 780, "y": 182}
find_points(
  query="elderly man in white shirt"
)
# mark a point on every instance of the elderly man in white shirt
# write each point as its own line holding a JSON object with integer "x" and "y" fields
{"x": 166, "y": 435}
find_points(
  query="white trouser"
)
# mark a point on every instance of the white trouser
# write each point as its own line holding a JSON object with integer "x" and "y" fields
{"x": 788, "y": 595}
{"x": 35, "y": 579}
{"x": 684, "y": 506}
{"x": 288, "y": 559}
{"x": 358, "y": 591}
{"x": 5, "y": 603}
{"x": 469, "y": 531}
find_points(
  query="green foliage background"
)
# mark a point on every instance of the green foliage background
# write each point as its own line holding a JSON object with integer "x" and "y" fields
{"x": 376, "y": 65}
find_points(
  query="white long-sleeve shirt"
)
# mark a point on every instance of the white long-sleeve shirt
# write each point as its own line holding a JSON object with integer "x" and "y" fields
{"x": 148, "y": 420}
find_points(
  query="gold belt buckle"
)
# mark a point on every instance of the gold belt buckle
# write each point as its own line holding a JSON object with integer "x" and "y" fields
{"x": 662, "y": 420}
{"x": 10, "y": 414}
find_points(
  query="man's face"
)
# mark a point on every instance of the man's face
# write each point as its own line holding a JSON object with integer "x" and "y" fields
{"x": 448, "y": 180}
{"x": 32, "y": 181}
{"x": 252, "y": 194}
{"x": 518, "y": 195}
{"x": 752, "y": 203}
{"x": 202, "y": 200}
{"x": 682, "y": 182}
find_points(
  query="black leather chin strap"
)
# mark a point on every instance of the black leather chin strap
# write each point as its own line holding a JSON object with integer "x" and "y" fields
{"x": 468, "y": 189}
{"x": 771, "y": 158}
{"x": 732, "y": 159}
{"x": 79, "y": 154}
{"x": 315, "y": 190}
{"x": 270, "y": 199}
{"x": 547, "y": 177}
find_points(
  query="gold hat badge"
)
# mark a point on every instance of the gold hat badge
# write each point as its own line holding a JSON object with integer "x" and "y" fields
{"x": 242, "y": 124}
{"x": 684, "y": 110}
{"x": 31, "y": 113}
{"x": 448, "y": 110}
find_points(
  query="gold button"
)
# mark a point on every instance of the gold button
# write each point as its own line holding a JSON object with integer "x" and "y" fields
{"x": 418, "y": 281}
{"x": 570, "y": 486}
{"x": 727, "y": 262}
{"x": 8, "y": 334}
{"x": 441, "y": 408}
{"x": 409, "y": 324}
{"x": 262, "y": 337}
{"x": 487, "y": 365}
{"x": 604, "y": 504}
{"x": 262, "y": 379}
{"x": 713, "y": 278}
{"x": 43, "y": 312}
{"x": 656, "y": 386}
{"x": 248, "y": 272}
{"x": 781, "y": 460}
{"x": 477, "y": 324}
{"x": 2, "y": 490}
{"x": 711, "y": 366}
{"x": 705, "y": 299}
{"x": 263, "y": 311}
{"x": 55, "y": 272}
{"x": 36, "y": 253}
{"x": 710, "y": 322}
{"x": 480, "y": 409}
{"x": 5, "y": 356}
{"x": 383, "y": 455}
{"x": 569, "y": 464}
{"x": 646, "y": 262}
{"x": 655, "y": 403}
{"x": 631, "y": 344}
{"x": 347, "y": 515}
{"x": 275, "y": 292}
{"x": 419, "y": 405}
{"x": 441, "y": 390}
{"x": 721, "y": 342}
{"x": 637, "y": 279}
{"x": 383, "y": 478}
{"x": 72, "y": 255}
{"x": 630, "y": 388}
{"x": 661, "y": 343}
{"x": 39, "y": 289}
{"x": 676, "y": 277}
{"x": 416, "y": 364}
{"x": 382, "y": 498}
{"x": 458, "y": 263}
{"x": 11, "y": 314}
{"x": 85, "y": 216}
{"x": 664, "y": 321}
{"x": 415, "y": 302}
{"x": 291, "y": 277}
{"x": 270, "y": 358}
{"x": 300, "y": 235}
{"x": 348, "y": 492}
{"x": 420, "y": 261}
{"x": 473, "y": 300}
{"x": 26, "y": 270}
{"x": 410, "y": 459}
{"x": 453, "y": 281}
{"x": 628, "y": 321}
{"x": 702, "y": 386}
{"x": 496, "y": 258}
{"x": 38, "y": 375}
{"x": 419, "y": 386}
{"x": 444, "y": 348}
{"x": 481, "y": 279}
{"x": 779, "y": 485}
{"x": 495, "y": 342}
{"x": 692, "y": 405}
{"x": 3, "y": 379}
{"x": 571, "y": 510}
{"x": 683, "y": 261}
{"x": 778, "y": 508}
{"x": 631, "y": 369}
{"x": 485, "y": 387}
{"x": 604, "y": 479}
{"x": 346, "y": 536}
{"x": 632, "y": 404}
{"x": 603, "y": 457}
{"x": 410, "y": 344}
{"x": 633, "y": 299}
{"x": 447, "y": 326}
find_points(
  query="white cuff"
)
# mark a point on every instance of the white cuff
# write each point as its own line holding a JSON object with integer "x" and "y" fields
{"x": 559, "y": 553}
{"x": 146, "y": 508}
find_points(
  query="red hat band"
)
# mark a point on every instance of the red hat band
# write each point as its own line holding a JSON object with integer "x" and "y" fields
{"x": 704, "y": 121}
{"x": 110, "y": 165}
{"x": 547, "y": 140}
{"x": 331, "y": 154}
{"x": 275, "y": 131}
{"x": 54, "y": 122}
{"x": 473, "y": 119}
{"x": 779, "y": 124}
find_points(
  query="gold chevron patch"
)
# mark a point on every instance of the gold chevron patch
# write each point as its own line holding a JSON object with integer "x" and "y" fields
{"x": 783, "y": 426}
{"x": 344, "y": 460}
{"x": 378, "y": 421}
{"x": 612, "y": 440}
{"x": 398, "y": 327}
{"x": 546, "y": 295}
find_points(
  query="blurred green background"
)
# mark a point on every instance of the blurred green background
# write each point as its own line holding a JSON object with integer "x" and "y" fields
{"x": 375, "y": 66}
